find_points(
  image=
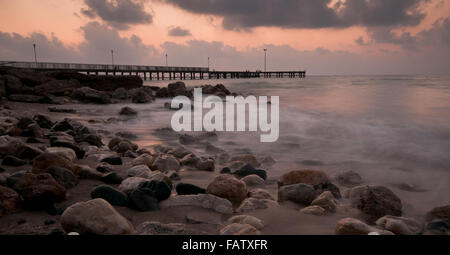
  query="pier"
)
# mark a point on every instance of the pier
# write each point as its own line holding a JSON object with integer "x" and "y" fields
{"x": 153, "y": 72}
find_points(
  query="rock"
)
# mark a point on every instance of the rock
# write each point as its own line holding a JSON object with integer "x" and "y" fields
{"x": 162, "y": 93}
{"x": 228, "y": 187}
{"x": 24, "y": 122}
{"x": 247, "y": 158}
{"x": 110, "y": 194}
{"x": 87, "y": 172}
{"x": 253, "y": 180}
{"x": 375, "y": 202}
{"x": 211, "y": 149}
{"x": 86, "y": 94}
{"x": 13, "y": 178}
{"x": 111, "y": 178}
{"x": 67, "y": 153}
{"x": 2, "y": 180}
{"x": 39, "y": 191}
{"x": 43, "y": 121}
{"x": 71, "y": 145}
{"x": 131, "y": 183}
{"x": 260, "y": 194}
{"x": 225, "y": 170}
{"x": 349, "y": 179}
{"x": 158, "y": 189}
{"x": 247, "y": 219}
{"x": 189, "y": 189}
{"x": 96, "y": 217}
{"x": 120, "y": 94}
{"x": 248, "y": 169}
{"x": 140, "y": 171}
{"x": 127, "y": 111}
{"x": 239, "y": 229}
{"x": 437, "y": 226}
{"x": 204, "y": 217}
{"x": 57, "y": 87}
{"x": 350, "y": 226}
{"x": 144, "y": 159}
{"x": 222, "y": 158}
{"x": 141, "y": 97}
{"x": 9, "y": 201}
{"x": 104, "y": 167}
{"x": 25, "y": 98}
{"x": 47, "y": 160}
{"x": 400, "y": 225}
{"x": 13, "y": 161}
{"x": 320, "y": 188}
{"x": 205, "y": 201}
{"x": 300, "y": 193}
{"x": 63, "y": 176}
{"x": 142, "y": 201}
{"x": 311, "y": 177}
{"x": 177, "y": 89}
{"x": 440, "y": 212}
{"x": 190, "y": 160}
{"x": 91, "y": 139}
{"x": 113, "y": 160}
{"x": 252, "y": 204}
{"x": 327, "y": 201}
{"x": 157, "y": 228}
{"x": 126, "y": 135}
{"x": 205, "y": 164}
{"x": 313, "y": 210}
{"x": 19, "y": 149}
{"x": 166, "y": 163}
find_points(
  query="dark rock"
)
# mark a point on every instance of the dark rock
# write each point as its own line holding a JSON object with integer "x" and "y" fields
{"x": 43, "y": 121}
{"x": 111, "y": 178}
{"x": 349, "y": 179}
{"x": 110, "y": 194}
{"x": 113, "y": 160}
{"x": 141, "y": 97}
{"x": 54, "y": 109}
{"x": 439, "y": 226}
{"x": 320, "y": 188}
{"x": 141, "y": 200}
{"x": 299, "y": 193}
{"x": 127, "y": 111}
{"x": 60, "y": 143}
{"x": 12, "y": 179}
{"x": 19, "y": 149}
{"x": 126, "y": 135}
{"x": 86, "y": 94}
{"x": 104, "y": 168}
{"x": 49, "y": 222}
{"x": 13, "y": 161}
{"x": 440, "y": 212}
{"x": 63, "y": 176}
{"x": 160, "y": 189}
{"x": 189, "y": 189}
{"x": 47, "y": 160}
{"x": 120, "y": 94}
{"x": 24, "y": 122}
{"x": 32, "y": 130}
{"x": 9, "y": 201}
{"x": 225, "y": 170}
{"x": 162, "y": 93}
{"x": 249, "y": 170}
{"x": 91, "y": 139}
{"x": 178, "y": 89}
{"x": 25, "y": 98}
{"x": 57, "y": 87}
{"x": 64, "y": 125}
{"x": 12, "y": 84}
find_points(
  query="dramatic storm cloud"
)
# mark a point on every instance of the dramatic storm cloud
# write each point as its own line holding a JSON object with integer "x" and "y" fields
{"x": 307, "y": 14}
{"x": 179, "y": 31}
{"x": 118, "y": 13}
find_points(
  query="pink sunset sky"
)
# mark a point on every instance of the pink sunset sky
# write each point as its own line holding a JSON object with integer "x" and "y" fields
{"x": 321, "y": 36}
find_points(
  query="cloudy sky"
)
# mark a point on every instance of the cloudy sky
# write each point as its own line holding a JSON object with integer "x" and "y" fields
{"x": 321, "y": 36}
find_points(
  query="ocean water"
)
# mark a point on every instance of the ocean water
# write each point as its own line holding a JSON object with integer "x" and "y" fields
{"x": 393, "y": 130}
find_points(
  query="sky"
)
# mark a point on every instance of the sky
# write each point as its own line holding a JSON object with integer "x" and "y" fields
{"x": 330, "y": 37}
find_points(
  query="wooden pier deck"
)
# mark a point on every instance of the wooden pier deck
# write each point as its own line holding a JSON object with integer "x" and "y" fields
{"x": 154, "y": 72}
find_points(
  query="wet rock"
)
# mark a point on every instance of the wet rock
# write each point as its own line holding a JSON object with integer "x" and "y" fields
{"x": 253, "y": 180}
{"x": 250, "y": 170}
{"x": 66, "y": 144}
{"x": 225, "y": 170}
{"x": 140, "y": 171}
{"x": 57, "y": 87}
{"x": 19, "y": 149}
{"x": 144, "y": 159}
{"x": 127, "y": 111}
{"x": 87, "y": 173}
{"x": 121, "y": 145}
{"x": 120, "y": 94}
{"x": 205, "y": 201}
{"x": 252, "y": 204}
{"x": 67, "y": 153}
{"x": 348, "y": 179}
{"x": 9, "y": 201}
{"x": 189, "y": 189}
{"x": 141, "y": 97}
{"x": 205, "y": 164}
{"x": 12, "y": 84}
{"x": 239, "y": 229}
{"x": 113, "y": 160}
{"x": 375, "y": 201}
{"x": 96, "y": 217}
{"x": 47, "y": 160}
{"x": 327, "y": 201}
{"x": 39, "y": 191}
{"x": 131, "y": 183}
{"x": 400, "y": 225}
{"x": 63, "y": 110}
{"x": 178, "y": 89}
{"x": 162, "y": 93}
{"x": 178, "y": 152}
{"x": 247, "y": 219}
{"x": 440, "y": 212}
{"x": 111, "y": 178}
{"x": 86, "y": 94}
{"x": 166, "y": 163}
{"x": 110, "y": 194}
{"x": 63, "y": 176}
{"x": 157, "y": 228}
{"x": 91, "y": 139}
{"x": 43, "y": 121}
{"x": 190, "y": 160}
{"x": 300, "y": 193}
{"x": 157, "y": 189}
{"x": 104, "y": 167}
{"x": 260, "y": 194}
{"x": 350, "y": 226}
{"x": 142, "y": 201}
{"x": 13, "y": 161}
{"x": 246, "y": 158}
{"x": 228, "y": 187}
{"x": 311, "y": 177}
{"x": 320, "y": 188}
{"x": 313, "y": 210}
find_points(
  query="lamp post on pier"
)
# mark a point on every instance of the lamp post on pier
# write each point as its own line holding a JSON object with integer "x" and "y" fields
{"x": 35, "y": 57}
{"x": 167, "y": 63}
{"x": 112, "y": 57}
{"x": 265, "y": 60}
{"x": 208, "y": 63}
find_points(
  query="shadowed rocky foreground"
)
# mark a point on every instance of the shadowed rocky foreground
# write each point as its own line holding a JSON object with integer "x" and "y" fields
{"x": 60, "y": 175}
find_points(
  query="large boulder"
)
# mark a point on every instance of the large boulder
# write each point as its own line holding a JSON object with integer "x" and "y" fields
{"x": 9, "y": 201}
{"x": 375, "y": 202}
{"x": 88, "y": 95}
{"x": 39, "y": 190}
{"x": 57, "y": 87}
{"x": 95, "y": 217}
{"x": 205, "y": 201}
{"x": 178, "y": 89}
{"x": 228, "y": 187}
{"x": 47, "y": 160}
{"x": 311, "y": 177}
{"x": 140, "y": 171}
{"x": 300, "y": 193}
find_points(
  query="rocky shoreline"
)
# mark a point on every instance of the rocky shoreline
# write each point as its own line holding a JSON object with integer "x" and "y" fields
{"x": 61, "y": 176}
